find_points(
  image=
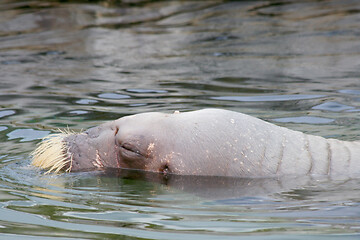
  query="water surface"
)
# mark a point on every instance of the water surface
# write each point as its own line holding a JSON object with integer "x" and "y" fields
{"x": 77, "y": 64}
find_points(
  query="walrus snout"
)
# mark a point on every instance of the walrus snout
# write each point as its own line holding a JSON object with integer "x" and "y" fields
{"x": 83, "y": 155}
{"x": 93, "y": 149}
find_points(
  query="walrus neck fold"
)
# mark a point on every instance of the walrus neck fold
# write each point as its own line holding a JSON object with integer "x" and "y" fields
{"x": 52, "y": 154}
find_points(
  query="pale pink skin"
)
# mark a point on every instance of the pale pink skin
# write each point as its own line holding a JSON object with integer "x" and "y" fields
{"x": 209, "y": 142}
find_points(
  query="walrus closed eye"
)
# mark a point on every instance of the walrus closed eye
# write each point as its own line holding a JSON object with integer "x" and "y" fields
{"x": 211, "y": 142}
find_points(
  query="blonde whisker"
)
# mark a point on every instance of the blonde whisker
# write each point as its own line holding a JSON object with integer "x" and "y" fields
{"x": 51, "y": 153}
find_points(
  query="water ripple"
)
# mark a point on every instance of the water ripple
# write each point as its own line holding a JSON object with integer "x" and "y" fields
{"x": 77, "y": 64}
{"x": 268, "y": 98}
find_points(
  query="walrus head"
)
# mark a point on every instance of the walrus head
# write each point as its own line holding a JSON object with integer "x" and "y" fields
{"x": 127, "y": 143}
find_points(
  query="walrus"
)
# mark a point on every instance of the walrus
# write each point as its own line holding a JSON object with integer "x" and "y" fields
{"x": 208, "y": 142}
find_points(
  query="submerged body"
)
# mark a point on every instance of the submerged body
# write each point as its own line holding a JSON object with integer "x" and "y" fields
{"x": 211, "y": 142}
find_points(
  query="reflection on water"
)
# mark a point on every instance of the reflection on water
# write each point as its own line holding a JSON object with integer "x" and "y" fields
{"x": 78, "y": 63}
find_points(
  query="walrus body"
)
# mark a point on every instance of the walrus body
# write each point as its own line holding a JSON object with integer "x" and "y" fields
{"x": 209, "y": 142}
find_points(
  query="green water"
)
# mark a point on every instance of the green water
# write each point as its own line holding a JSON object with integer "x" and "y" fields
{"x": 77, "y": 64}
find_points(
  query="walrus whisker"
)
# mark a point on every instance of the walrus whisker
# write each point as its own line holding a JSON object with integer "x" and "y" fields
{"x": 70, "y": 164}
{"x": 51, "y": 153}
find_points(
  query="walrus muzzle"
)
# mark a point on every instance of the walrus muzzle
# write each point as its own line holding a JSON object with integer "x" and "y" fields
{"x": 70, "y": 151}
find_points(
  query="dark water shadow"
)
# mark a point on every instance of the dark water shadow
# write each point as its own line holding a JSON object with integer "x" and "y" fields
{"x": 221, "y": 189}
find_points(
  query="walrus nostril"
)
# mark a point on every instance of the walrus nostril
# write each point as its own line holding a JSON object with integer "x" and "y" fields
{"x": 116, "y": 130}
{"x": 165, "y": 169}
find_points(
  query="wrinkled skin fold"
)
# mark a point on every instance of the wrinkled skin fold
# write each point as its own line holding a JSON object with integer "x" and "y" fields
{"x": 209, "y": 142}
